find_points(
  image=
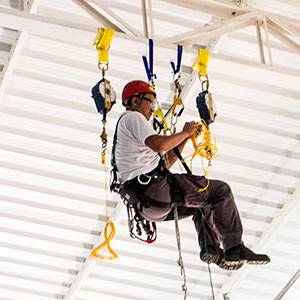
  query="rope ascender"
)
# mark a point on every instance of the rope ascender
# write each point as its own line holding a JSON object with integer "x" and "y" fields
{"x": 104, "y": 97}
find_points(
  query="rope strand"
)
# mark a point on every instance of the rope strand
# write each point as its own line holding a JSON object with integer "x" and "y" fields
{"x": 180, "y": 260}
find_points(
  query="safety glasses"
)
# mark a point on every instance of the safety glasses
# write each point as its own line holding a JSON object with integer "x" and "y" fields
{"x": 154, "y": 105}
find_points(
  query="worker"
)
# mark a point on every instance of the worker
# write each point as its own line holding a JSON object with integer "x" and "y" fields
{"x": 146, "y": 177}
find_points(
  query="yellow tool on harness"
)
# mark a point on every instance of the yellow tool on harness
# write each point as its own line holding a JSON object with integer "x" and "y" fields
{"x": 176, "y": 101}
{"x": 201, "y": 62}
{"x": 102, "y": 43}
{"x": 160, "y": 115}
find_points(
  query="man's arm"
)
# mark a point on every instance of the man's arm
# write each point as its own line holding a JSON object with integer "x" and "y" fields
{"x": 165, "y": 143}
{"x": 171, "y": 156}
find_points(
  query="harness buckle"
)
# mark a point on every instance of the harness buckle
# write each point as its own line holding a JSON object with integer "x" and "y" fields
{"x": 146, "y": 182}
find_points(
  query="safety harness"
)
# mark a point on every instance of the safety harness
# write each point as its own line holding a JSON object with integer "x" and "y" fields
{"x": 133, "y": 191}
{"x": 138, "y": 227}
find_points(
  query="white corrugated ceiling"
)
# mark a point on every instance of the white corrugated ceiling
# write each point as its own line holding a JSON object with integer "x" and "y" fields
{"x": 52, "y": 186}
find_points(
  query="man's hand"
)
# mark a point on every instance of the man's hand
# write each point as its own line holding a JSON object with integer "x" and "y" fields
{"x": 165, "y": 143}
{"x": 190, "y": 128}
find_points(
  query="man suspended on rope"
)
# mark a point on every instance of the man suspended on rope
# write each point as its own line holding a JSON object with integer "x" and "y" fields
{"x": 144, "y": 175}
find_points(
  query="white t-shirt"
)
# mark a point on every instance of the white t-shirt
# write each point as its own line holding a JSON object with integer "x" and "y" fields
{"x": 133, "y": 157}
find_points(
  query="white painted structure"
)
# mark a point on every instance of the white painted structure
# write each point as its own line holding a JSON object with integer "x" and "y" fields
{"x": 52, "y": 194}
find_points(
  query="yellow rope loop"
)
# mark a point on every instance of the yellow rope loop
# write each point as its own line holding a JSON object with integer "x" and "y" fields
{"x": 205, "y": 148}
{"x": 109, "y": 233}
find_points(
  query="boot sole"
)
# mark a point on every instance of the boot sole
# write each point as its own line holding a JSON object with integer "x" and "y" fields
{"x": 230, "y": 265}
{"x": 257, "y": 262}
{"x": 221, "y": 263}
{"x": 210, "y": 258}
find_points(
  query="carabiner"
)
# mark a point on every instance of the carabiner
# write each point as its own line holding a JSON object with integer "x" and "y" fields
{"x": 144, "y": 182}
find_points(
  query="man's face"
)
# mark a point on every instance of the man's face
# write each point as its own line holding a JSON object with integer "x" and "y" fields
{"x": 147, "y": 105}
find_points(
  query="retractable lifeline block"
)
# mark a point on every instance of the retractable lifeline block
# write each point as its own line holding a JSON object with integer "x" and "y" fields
{"x": 104, "y": 97}
{"x": 103, "y": 93}
{"x": 206, "y": 108}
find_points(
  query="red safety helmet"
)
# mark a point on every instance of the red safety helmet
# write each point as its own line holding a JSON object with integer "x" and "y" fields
{"x": 135, "y": 87}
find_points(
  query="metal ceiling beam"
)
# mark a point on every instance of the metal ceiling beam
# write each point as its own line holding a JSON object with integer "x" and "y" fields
{"x": 69, "y": 32}
{"x": 280, "y": 33}
{"x": 96, "y": 15}
{"x": 289, "y": 208}
{"x": 216, "y": 30}
{"x": 14, "y": 54}
{"x": 114, "y": 17}
{"x": 288, "y": 27}
{"x": 90, "y": 261}
{"x": 147, "y": 18}
{"x": 107, "y": 17}
{"x": 210, "y": 7}
{"x": 260, "y": 43}
{"x": 265, "y": 24}
{"x": 217, "y": 8}
{"x": 293, "y": 23}
{"x": 288, "y": 285}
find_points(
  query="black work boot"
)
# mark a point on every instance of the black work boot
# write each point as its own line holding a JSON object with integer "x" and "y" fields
{"x": 212, "y": 255}
{"x": 241, "y": 253}
{"x": 216, "y": 256}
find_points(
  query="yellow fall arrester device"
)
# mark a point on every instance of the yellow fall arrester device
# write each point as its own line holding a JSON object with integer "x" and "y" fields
{"x": 206, "y": 147}
{"x": 104, "y": 97}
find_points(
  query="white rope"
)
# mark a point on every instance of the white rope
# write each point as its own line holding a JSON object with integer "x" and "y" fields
{"x": 180, "y": 260}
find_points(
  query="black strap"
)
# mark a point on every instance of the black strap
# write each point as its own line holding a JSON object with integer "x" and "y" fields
{"x": 113, "y": 156}
{"x": 178, "y": 154}
{"x": 115, "y": 183}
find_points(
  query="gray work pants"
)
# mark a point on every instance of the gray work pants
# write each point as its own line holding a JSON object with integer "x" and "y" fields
{"x": 223, "y": 224}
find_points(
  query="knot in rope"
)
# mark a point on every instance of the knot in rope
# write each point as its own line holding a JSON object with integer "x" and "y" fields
{"x": 109, "y": 233}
